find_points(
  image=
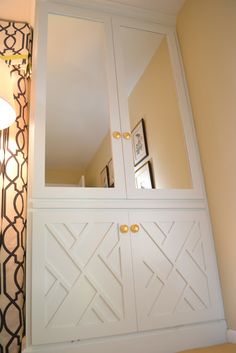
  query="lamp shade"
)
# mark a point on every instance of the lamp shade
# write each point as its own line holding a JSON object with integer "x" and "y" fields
{"x": 7, "y": 111}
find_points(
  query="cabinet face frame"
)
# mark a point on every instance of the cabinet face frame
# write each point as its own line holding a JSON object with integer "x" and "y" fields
{"x": 184, "y": 108}
{"x": 121, "y": 149}
{"x": 38, "y": 189}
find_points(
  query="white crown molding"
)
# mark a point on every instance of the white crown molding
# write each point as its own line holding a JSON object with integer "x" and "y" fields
{"x": 119, "y": 10}
{"x": 231, "y": 336}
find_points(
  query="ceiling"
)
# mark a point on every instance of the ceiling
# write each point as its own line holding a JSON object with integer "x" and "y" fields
{"x": 25, "y": 12}
{"x": 170, "y": 7}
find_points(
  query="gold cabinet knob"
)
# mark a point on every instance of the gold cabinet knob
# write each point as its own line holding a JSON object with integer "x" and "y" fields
{"x": 116, "y": 135}
{"x": 134, "y": 228}
{"x": 127, "y": 135}
{"x": 124, "y": 228}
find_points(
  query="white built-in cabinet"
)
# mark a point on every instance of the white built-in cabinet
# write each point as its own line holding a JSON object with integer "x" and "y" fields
{"x": 113, "y": 268}
{"x": 92, "y": 280}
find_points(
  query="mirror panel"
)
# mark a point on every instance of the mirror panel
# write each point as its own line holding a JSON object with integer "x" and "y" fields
{"x": 160, "y": 155}
{"x": 78, "y": 145}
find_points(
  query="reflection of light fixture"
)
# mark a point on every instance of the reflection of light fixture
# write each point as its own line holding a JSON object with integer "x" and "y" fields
{"x": 7, "y": 111}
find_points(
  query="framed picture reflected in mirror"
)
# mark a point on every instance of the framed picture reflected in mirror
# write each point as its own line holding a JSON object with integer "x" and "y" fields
{"x": 144, "y": 177}
{"x": 139, "y": 142}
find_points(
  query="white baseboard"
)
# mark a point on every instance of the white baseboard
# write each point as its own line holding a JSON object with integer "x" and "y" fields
{"x": 231, "y": 336}
{"x": 160, "y": 341}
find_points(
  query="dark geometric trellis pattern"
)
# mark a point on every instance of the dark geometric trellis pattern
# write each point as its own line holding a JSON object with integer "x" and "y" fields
{"x": 15, "y": 39}
{"x": 15, "y": 42}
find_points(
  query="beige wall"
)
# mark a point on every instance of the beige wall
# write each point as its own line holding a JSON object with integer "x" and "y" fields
{"x": 207, "y": 34}
{"x": 154, "y": 98}
{"x": 17, "y": 10}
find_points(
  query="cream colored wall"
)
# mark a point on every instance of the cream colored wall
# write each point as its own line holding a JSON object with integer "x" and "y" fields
{"x": 154, "y": 99}
{"x": 207, "y": 34}
{"x": 98, "y": 162}
{"x": 17, "y": 10}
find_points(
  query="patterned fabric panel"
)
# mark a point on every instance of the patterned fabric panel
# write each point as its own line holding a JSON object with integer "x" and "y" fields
{"x": 15, "y": 41}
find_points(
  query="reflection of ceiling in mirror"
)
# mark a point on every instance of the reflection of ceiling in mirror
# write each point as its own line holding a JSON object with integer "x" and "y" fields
{"x": 77, "y": 103}
{"x": 138, "y": 49}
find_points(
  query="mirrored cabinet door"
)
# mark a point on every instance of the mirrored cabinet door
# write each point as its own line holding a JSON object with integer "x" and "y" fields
{"x": 158, "y": 155}
{"x": 83, "y": 147}
{"x": 112, "y": 112}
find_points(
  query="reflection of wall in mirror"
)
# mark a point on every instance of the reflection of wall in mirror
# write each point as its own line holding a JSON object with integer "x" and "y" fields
{"x": 98, "y": 162}
{"x": 66, "y": 175}
{"x": 91, "y": 173}
{"x": 155, "y": 99}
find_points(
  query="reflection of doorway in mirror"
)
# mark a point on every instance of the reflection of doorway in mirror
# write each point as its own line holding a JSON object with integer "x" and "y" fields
{"x": 110, "y": 174}
{"x": 104, "y": 177}
{"x": 100, "y": 159}
{"x": 81, "y": 182}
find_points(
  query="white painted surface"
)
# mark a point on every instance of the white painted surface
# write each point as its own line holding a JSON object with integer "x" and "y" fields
{"x": 175, "y": 274}
{"x": 84, "y": 286}
{"x": 231, "y": 336}
{"x": 84, "y": 283}
{"x": 68, "y": 283}
{"x": 170, "y": 7}
{"x": 162, "y": 341}
{"x": 10, "y": 9}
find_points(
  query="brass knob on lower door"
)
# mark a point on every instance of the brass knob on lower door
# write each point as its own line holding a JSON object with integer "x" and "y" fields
{"x": 116, "y": 135}
{"x": 127, "y": 135}
{"x": 134, "y": 228}
{"x": 124, "y": 228}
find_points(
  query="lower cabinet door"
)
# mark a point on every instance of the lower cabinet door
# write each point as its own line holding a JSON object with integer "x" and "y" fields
{"x": 82, "y": 281}
{"x": 175, "y": 272}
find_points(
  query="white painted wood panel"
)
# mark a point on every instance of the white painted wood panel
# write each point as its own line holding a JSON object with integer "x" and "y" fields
{"x": 82, "y": 276}
{"x": 174, "y": 269}
{"x": 85, "y": 284}
{"x": 160, "y": 341}
{"x": 156, "y": 291}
